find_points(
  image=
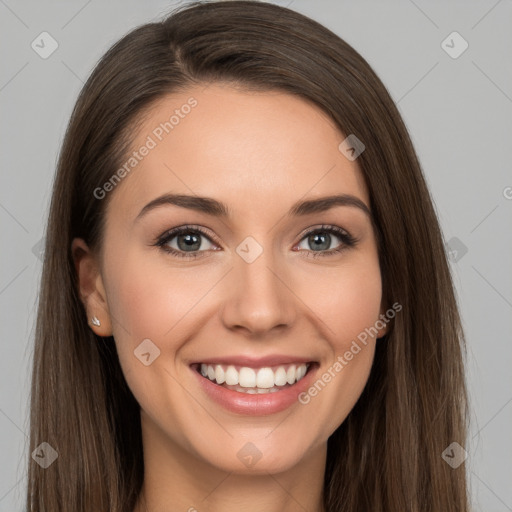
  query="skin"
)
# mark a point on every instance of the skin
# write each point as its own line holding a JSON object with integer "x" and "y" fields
{"x": 258, "y": 152}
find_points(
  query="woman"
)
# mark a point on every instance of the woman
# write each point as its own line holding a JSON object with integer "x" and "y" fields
{"x": 245, "y": 301}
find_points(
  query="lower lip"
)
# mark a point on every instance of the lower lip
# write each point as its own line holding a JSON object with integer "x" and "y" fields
{"x": 256, "y": 404}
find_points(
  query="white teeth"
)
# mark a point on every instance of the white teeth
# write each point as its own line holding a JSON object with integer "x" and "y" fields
{"x": 219, "y": 374}
{"x": 262, "y": 380}
{"x": 265, "y": 378}
{"x": 247, "y": 377}
{"x": 280, "y": 376}
{"x": 231, "y": 376}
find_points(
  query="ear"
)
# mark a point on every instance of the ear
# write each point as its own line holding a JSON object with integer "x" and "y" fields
{"x": 92, "y": 291}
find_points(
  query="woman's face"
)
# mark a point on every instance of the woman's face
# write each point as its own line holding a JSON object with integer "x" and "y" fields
{"x": 253, "y": 289}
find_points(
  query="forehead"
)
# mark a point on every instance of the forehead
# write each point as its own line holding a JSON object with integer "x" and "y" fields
{"x": 251, "y": 150}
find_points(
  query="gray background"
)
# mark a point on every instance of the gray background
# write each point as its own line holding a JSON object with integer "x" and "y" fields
{"x": 458, "y": 111}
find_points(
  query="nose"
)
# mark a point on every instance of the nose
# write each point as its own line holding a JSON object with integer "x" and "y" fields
{"x": 260, "y": 299}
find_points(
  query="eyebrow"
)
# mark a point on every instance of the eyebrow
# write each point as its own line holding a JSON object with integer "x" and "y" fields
{"x": 215, "y": 208}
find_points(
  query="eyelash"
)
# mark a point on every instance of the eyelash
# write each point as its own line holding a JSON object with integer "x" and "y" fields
{"x": 347, "y": 239}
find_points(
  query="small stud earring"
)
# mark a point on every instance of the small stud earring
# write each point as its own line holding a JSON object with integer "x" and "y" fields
{"x": 95, "y": 321}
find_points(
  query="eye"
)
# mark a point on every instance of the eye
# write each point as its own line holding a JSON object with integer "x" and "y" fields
{"x": 320, "y": 239}
{"x": 188, "y": 241}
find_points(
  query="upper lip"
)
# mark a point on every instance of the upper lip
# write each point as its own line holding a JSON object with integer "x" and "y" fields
{"x": 255, "y": 362}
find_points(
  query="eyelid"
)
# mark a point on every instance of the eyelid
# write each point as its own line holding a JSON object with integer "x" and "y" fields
{"x": 319, "y": 227}
{"x": 206, "y": 232}
{"x": 209, "y": 233}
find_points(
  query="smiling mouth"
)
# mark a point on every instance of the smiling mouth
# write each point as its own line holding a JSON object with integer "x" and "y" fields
{"x": 244, "y": 379}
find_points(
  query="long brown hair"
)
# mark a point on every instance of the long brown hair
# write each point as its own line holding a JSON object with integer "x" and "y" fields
{"x": 386, "y": 455}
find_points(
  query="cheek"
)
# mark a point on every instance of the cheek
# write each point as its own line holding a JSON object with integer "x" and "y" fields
{"x": 348, "y": 303}
{"x": 149, "y": 300}
{"x": 346, "y": 299}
